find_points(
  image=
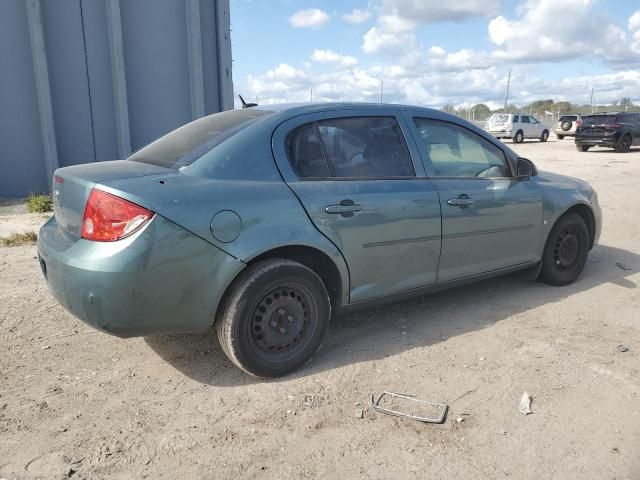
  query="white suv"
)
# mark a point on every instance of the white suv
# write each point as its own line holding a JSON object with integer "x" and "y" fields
{"x": 516, "y": 127}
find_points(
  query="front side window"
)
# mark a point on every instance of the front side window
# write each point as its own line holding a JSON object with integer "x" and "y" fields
{"x": 454, "y": 151}
{"x": 524, "y": 119}
{"x": 353, "y": 147}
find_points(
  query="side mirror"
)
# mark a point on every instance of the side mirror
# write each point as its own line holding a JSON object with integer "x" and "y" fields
{"x": 525, "y": 169}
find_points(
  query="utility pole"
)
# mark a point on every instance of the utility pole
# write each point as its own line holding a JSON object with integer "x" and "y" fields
{"x": 592, "y": 84}
{"x": 381, "y": 89}
{"x": 506, "y": 98}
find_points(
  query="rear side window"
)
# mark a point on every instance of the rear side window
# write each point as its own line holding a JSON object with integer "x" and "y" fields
{"x": 628, "y": 118}
{"x": 183, "y": 146}
{"x": 354, "y": 147}
{"x": 516, "y": 119}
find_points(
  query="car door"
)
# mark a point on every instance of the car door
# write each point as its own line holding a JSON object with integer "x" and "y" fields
{"x": 525, "y": 126}
{"x": 490, "y": 219}
{"x": 536, "y": 128}
{"x": 363, "y": 187}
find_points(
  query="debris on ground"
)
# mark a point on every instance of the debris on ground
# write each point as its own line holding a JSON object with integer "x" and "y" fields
{"x": 405, "y": 405}
{"x": 525, "y": 404}
{"x": 622, "y": 266}
{"x": 359, "y": 413}
{"x": 623, "y": 348}
{"x": 459, "y": 419}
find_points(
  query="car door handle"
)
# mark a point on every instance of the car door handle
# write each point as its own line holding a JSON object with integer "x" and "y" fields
{"x": 343, "y": 208}
{"x": 460, "y": 201}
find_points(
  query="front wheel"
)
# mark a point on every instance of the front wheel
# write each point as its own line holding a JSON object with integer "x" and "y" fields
{"x": 583, "y": 148}
{"x": 544, "y": 136}
{"x": 565, "y": 252}
{"x": 274, "y": 318}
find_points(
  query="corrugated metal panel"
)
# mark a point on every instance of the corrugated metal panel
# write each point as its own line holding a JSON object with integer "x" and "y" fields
{"x": 91, "y": 80}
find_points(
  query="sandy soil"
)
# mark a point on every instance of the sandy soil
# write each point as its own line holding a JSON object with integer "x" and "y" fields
{"x": 81, "y": 404}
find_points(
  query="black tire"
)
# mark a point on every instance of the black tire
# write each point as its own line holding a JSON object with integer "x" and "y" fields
{"x": 583, "y": 148}
{"x": 518, "y": 137}
{"x": 273, "y": 318}
{"x": 566, "y": 250}
{"x": 545, "y": 136}
{"x": 560, "y": 137}
{"x": 624, "y": 145}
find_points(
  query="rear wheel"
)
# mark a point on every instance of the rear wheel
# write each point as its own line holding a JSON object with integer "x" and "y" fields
{"x": 519, "y": 137}
{"x": 624, "y": 145}
{"x": 565, "y": 252}
{"x": 560, "y": 137}
{"x": 544, "y": 136}
{"x": 583, "y": 148}
{"x": 273, "y": 318}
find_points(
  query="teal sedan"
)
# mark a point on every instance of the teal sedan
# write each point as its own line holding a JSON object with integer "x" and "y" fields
{"x": 263, "y": 221}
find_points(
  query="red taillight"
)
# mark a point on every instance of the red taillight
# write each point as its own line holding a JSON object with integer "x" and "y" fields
{"x": 578, "y": 123}
{"x": 108, "y": 218}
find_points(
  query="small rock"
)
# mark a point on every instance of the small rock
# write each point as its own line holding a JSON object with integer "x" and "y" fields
{"x": 359, "y": 413}
{"x": 615, "y": 450}
{"x": 465, "y": 366}
{"x": 45, "y": 347}
{"x": 459, "y": 419}
{"x": 411, "y": 450}
{"x": 357, "y": 404}
{"x": 482, "y": 359}
{"x": 525, "y": 404}
{"x": 623, "y": 348}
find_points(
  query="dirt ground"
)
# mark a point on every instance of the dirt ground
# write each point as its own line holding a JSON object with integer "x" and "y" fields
{"x": 81, "y": 404}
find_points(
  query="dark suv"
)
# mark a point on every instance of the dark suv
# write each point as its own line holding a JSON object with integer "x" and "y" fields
{"x": 614, "y": 130}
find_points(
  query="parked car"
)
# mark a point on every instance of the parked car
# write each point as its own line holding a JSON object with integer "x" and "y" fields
{"x": 516, "y": 127}
{"x": 566, "y": 126}
{"x": 619, "y": 131}
{"x": 262, "y": 222}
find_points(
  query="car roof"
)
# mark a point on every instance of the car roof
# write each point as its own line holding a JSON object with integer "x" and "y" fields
{"x": 294, "y": 109}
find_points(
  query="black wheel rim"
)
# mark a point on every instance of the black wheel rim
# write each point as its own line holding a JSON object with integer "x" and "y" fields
{"x": 282, "y": 322}
{"x": 626, "y": 144}
{"x": 567, "y": 246}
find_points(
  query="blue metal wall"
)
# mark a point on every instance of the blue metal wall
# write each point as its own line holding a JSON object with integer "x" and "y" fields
{"x": 91, "y": 80}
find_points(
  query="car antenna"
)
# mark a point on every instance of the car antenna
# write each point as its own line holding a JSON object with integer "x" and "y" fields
{"x": 245, "y": 104}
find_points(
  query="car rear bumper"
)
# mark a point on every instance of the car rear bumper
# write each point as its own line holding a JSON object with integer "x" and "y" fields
{"x": 162, "y": 279}
{"x": 501, "y": 133}
{"x": 568, "y": 133}
{"x": 596, "y": 141}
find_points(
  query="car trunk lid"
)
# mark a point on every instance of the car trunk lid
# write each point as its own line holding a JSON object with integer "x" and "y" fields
{"x": 72, "y": 185}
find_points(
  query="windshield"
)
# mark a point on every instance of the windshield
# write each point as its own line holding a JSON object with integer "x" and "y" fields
{"x": 598, "y": 120}
{"x": 183, "y": 146}
{"x": 568, "y": 118}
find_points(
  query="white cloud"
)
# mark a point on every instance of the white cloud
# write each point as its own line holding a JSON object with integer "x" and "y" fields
{"x": 333, "y": 58}
{"x": 634, "y": 21}
{"x": 548, "y": 30}
{"x": 428, "y": 11}
{"x": 309, "y": 18}
{"x": 433, "y": 87}
{"x": 356, "y": 16}
{"x": 634, "y": 28}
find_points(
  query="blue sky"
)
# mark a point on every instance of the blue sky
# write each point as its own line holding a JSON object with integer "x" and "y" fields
{"x": 433, "y": 52}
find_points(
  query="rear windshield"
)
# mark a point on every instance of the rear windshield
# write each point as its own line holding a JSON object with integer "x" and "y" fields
{"x": 598, "y": 120}
{"x": 568, "y": 118}
{"x": 498, "y": 118}
{"x": 183, "y": 146}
